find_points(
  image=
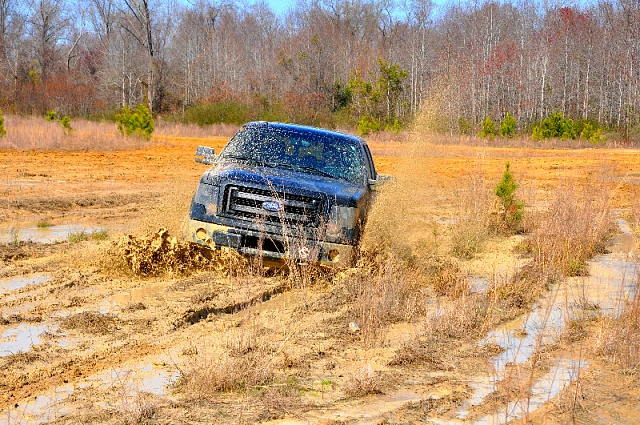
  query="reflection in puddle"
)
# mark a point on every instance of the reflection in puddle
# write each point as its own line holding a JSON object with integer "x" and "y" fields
{"x": 560, "y": 375}
{"x": 45, "y": 235}
{"x": 15, "y": 283}
{"x": 479, "y": 285}
{"x": 44, "y": 408}
{"x": 611, "y": 282}
{"x": 150, "y": 295}
{"x": 131, "y": 382}
{"x": 20, "y": 338}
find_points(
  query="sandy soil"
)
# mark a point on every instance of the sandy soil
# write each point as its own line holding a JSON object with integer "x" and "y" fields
{"x": 85, "y": 340}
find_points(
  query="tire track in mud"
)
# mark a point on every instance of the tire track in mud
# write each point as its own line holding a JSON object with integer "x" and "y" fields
{"x": 18, "y": 385}
{"x": 193, "y": 316}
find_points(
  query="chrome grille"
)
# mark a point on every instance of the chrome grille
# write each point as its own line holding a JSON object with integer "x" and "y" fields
{"x": 248, "y": 203}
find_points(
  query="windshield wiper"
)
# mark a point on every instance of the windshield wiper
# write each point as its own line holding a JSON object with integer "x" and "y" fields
{"x": 304, "y": 168}
{"x": 242, "y": 158}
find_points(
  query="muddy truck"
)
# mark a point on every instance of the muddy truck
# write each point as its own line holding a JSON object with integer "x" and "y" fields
{"x": 285, "y": 192}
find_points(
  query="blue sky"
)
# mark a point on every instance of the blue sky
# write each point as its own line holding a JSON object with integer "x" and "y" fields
{"x": 280, "y": 6}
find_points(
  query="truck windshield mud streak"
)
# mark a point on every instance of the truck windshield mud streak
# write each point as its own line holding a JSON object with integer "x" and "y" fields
{"x": 285, "y": 191}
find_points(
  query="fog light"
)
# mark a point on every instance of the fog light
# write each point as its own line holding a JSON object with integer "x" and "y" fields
{"x": 333, "y": 256}
{"x": 201, "y": 234}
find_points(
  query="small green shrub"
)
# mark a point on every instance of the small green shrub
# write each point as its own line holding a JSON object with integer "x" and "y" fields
{"x": 512, "y": 210}
{"x": 368, "y": 125}
{"x": 465, "y": 126}
{"x": 488, "y": 129}
{"x": 65, "y": 122}
{"x": 100, "y": 235}
{"x": 222, "y": 112}
{"x": 590, "y": 130}
{"x": 508, "y": 126}
{"x": 394, "y": 127}
{"x": 554, "y": 126}
{"x": 135, "y": 123}
{"x": 3, "y": 132}
{"x": 51, "y": 115}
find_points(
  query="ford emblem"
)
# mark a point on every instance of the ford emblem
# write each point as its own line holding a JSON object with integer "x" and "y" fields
{"x": 272, "y": 206}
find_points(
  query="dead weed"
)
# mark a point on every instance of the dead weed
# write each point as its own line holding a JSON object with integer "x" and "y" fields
{"x": 91, "y": 322}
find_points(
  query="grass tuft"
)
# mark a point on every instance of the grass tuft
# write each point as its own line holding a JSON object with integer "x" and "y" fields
{"x": 362, "y": 383}
{"x": 44, "y": 224}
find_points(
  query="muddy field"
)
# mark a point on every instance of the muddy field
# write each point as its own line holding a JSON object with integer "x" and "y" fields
{"x": 412, "y": 334}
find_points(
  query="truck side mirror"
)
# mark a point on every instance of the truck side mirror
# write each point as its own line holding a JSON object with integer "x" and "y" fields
{"x": 383, "y": 179}
{"x": 205, "y": 155}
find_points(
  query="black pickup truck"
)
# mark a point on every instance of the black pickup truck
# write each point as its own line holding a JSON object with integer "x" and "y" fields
{"x": 285, "y": 191}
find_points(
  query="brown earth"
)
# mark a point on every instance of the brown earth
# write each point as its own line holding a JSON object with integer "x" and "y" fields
{"x": 244, "y": 346}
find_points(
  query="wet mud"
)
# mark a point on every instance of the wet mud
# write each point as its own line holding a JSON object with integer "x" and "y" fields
{"x": 108, "y": 331}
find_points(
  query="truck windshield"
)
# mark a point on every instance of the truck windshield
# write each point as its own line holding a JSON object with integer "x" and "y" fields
{"x": 328, "y": 156}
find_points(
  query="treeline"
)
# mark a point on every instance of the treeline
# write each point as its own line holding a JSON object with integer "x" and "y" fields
{"x": 373, "y": 64}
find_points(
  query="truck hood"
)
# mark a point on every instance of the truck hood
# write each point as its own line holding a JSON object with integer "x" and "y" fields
{"x": 340, "y": 192}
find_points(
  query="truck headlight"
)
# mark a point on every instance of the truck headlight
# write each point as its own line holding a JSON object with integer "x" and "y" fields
{"x": 340, "y": 219}
{"x": 207, "y": 195}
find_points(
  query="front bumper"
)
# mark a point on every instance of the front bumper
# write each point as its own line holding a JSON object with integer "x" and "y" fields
{"x": 267, "y": 245}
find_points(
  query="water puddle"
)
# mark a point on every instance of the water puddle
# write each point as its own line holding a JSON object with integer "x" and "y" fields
{"x": 42, "y": 409}
{"x": 560, "y": 375}
{"x": 130, "y": 382}
{"x": 15, "y": 283}
{"x": 150, "y": 295}
{"x": 611, "y": 282}
{"x": 51, "y": 234}
{"x": 479, "y": 285}
{"x": 20, "y": 338}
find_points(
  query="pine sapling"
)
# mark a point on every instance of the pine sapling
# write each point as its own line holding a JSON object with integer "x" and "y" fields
{"x": 512, "y": 210}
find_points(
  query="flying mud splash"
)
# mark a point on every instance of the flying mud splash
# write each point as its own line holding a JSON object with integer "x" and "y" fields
{"x": 161, "y": 253}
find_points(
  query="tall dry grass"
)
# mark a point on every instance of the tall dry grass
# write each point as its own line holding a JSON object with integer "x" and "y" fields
{"x": 575, "y": 226}
{"x": 618, "y": 338}
{"x": 172, "y": 129}
{"x": 472, "y": 219}
{"x": 35, "y": 133}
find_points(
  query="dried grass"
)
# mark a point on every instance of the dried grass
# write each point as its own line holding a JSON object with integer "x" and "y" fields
{"x": 577, "y": 225}
{"x": 246, "y": 362}
{"x": 470, "y": 231}
{"x": 618, "y": 339}
{"x": 362, "y": 383}
{"x": 91, "y": 323}
{"x": 172, "y": 129}
{"x": 468, "y": 317}
{"x": 383, "y": 291}
{"x": 34, "y": 133}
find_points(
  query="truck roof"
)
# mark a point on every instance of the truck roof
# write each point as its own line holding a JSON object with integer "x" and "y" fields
{"x": 305, "y": 129}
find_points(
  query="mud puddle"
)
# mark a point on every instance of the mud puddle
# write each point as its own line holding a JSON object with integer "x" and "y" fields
{"x": 21, "y": 338}
{"x": 149, "y": 295}
{"x": 50, "y": 234}
{"x": 19, "y": 282}
{"x": 611, "y": 282}
{"x": 129, "y": 383}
